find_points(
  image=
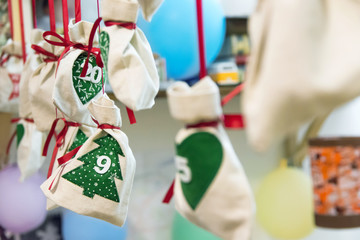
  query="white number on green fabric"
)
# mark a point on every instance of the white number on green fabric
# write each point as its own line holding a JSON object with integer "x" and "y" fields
{"x": 183, "y": 169}
{"x": 91, "y": 73}
{"x": 101, "y": 167}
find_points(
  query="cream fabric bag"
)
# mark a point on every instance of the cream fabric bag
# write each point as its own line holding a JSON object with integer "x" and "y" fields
{"x": 29, "y": 147}
{"x": 75, "y": 136}
{"x": 29, "y": 139}
{"x": 211, "y": 189}
{"x": 72, "y": 93}
{"x": 97, "y": 182}
{"x": 10, "y": 73}
{"x": 149, "y": 7}
{"x": 295, "y": 72}
{"x": 32, "y": 63}
{"x": 41, "y": 89}
{"x": 127, "y": 55}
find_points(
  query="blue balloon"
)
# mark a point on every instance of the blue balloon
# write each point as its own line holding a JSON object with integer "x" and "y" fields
{"x": 172, "y": 33}
{"x": 76, "y": 226}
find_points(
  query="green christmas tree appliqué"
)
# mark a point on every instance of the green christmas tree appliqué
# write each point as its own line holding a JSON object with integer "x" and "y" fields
{"x": 79, "y": 140}
{"x": 101, "y": 167}
{"x": 89, "y": 86}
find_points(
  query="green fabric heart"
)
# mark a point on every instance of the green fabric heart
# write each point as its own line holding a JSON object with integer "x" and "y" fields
{"x": 104, "y": 47}
{"x": 20, "y": 131}
{"x": 89, "y": 86}
{"x": 201, "y": 153}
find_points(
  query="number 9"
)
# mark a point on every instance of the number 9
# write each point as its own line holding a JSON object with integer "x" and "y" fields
{"x": 104, "y": 166}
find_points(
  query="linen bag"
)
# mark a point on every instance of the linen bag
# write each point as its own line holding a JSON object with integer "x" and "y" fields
{"x": 97, "y": 182}
{"x": 42, "y": 85}
{"x": 73, "y": 93}
{"x": 211, "y": 189}
{"x": 127, "y": 55}
{"x": 29, "y": 139}
{"x": 297, "y": 71}
{"x": 11, "y": 66}
{"x": 74, "y": 137}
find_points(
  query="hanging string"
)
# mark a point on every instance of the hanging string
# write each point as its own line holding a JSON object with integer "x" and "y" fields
{"x": 22, "y": 31}
{"x": 33, "y": 3}
{"x": 10, "y": 19}
{"x": 201, "y": 40}
{"x": 65, "y": 19}
{"x": 77, "y": 10}
{"x": 52, "y": 15}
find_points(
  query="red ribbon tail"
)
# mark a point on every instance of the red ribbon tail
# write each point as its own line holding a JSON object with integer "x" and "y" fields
{"x": 131, "y": 115}
{"x": 10, "y": 142}
{"x": 232, "y": 94}
{"x": 169, "y": 194}
{"x": 48, "y": 139}
{"x": 52, "y": 162}
{"x": 68, "y": 156}
{"x": 234, "y": 121}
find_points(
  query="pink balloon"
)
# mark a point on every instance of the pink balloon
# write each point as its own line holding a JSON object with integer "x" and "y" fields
{"x": 22, "y": 204}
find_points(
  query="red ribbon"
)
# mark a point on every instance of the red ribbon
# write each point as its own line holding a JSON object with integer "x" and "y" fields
{"x": 201, "y": 38}
{"x": 234, "y": 121}
{"x": 52, "y": 15}
{"x": 77, "y": 10}
{"x": 33, "y": 4}
{"x": 50, "y": 56}
{"x": 169, "y": 193}
{"x": 63, "y": 161}
{"x": 128, "y": 25}
{"x": 203, "y": 124}
{"x": 131, "y": 115}
{"x": 22, "y": 31}
{"x": 232, "y": 94}
{"x": 69, "y": 44}
{"x": 65, "y": 19}
{"x": 10, "y": 18}
{"x": 15, "y": 120}
{"x": 59, "y": 140}
{"x": 104, "y": 125}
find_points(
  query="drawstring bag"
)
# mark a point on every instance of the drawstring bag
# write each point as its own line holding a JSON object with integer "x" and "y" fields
{"x": 11, "y": 66}
{"x": 42, "y": 84}
{"x": 70, "y": 137}
{"x": 295, "y": 72}
{"x": 29, "y": 139}
{"x": 211, "y": 189}
{"x": 79, "y": 75}
{"x": 128, "y": 59}
{"x": 96, "y": 182}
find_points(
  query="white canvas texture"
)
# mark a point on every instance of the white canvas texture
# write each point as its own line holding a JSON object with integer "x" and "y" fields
{"x": 66, "y": 194}
{"x": 131, "y": 67}
{"x": 295, "y": 72}
{"x": 226, "y": 208}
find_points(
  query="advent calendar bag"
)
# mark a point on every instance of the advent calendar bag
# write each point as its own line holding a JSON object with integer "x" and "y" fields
{"x": 74, "y": 137}
{"x": 295, "y": 72}
{"x": 29, "y": 139}
{"x": 29, "y": 147}
{"x": 11, "y": 66}
{"x": 127, "y": 55}
{"x": 211, "y": 189}
{"x": 42, "y": 85}
{"x": 97, "y": 182}
{"x": 73, "y": 92}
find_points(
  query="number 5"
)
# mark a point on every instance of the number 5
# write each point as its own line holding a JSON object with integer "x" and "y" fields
{"x": 183, "y": 169}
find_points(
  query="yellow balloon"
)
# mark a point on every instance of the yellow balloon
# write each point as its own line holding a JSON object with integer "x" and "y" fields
{"x": 285, "y": 206}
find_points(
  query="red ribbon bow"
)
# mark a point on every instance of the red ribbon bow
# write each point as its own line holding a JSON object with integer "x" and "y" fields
{"x": 59, "y": 140}
{"x": 50, "y": 56}
{"x": 104, "y": 125}
{"x": 69, "y": 44}
{"x": 128, "y": 25}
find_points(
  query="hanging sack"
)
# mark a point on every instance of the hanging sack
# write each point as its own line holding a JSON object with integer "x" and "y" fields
{"x": 29, "y": 139}
{"x": 127, "y": 55}
{"x": 79, "y": 75}
{"x": 11, "y": 66}
{"x": 297, "y": 70}
{"x": 42, "y": 84}
{"x": 97, "y": 182}
{"x": 211, "y": 189}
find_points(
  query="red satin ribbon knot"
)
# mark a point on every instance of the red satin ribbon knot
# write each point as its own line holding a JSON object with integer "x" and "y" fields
{"x": 15, "y": 120}
{"x": 59, "y": 140}
{"x": 128, "y": 25}
{"x": 104, "y": 125}
{"x": 50, "y": 56}
{"x": 69, "y": 44}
